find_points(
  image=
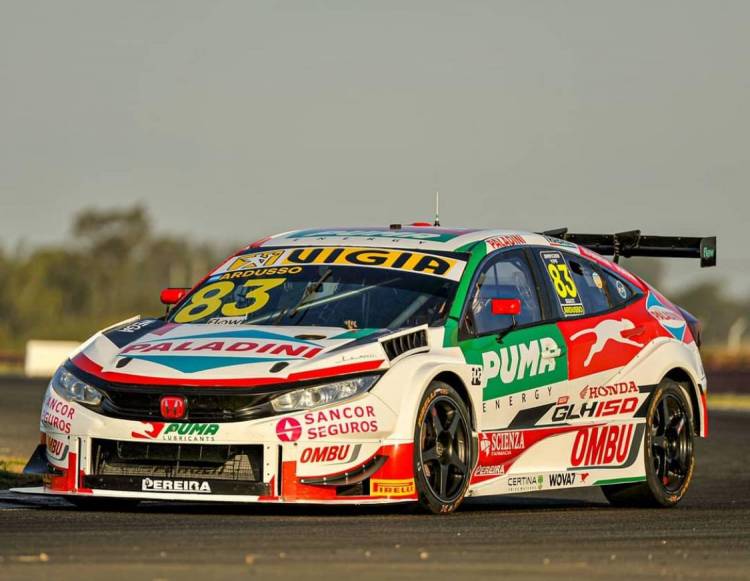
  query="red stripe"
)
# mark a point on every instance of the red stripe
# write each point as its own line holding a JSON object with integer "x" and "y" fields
{"x": 87, "y": 365}
{"x": 259, "y": 243}
{"x": 164, "y": 329}
{"x": 338, "y": 370}
{"x": 352, "y": 469}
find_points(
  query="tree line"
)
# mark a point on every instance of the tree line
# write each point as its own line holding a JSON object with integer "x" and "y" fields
{"x": 114, "y": 266}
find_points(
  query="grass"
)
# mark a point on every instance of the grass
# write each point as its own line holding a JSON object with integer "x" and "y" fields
{"x": 11, "y": 473}
{"x": 728, "y": 401}
{"x": 7, "y": 369}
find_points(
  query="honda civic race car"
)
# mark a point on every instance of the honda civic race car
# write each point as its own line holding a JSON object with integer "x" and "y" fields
{"x": 403, "y": 364}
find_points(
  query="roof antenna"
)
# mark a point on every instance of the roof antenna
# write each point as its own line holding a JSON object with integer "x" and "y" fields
{"x": 437, "y": 209}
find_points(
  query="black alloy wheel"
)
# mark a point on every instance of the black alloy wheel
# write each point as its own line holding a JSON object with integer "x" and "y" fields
{"x": 443, "y": 449}
{"x": 671, "y": 443}
{"x": 669, "y": 452}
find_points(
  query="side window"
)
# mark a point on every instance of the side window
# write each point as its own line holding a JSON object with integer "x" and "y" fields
{"x": 508, "y": 276}
{"x": 577, "y": 285}
{"x": 590, "y": 285}
{"x": 619, "y": 291}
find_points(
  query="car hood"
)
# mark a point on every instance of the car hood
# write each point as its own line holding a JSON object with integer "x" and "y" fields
{"x": 150, "y": 351}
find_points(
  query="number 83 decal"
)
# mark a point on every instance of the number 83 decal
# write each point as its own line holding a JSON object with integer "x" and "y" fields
{"x": 210, "y": 299}
{"x": 564, "y": 285}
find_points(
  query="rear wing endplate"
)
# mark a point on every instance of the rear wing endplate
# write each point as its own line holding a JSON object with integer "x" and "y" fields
{"x": 633, "y": 243}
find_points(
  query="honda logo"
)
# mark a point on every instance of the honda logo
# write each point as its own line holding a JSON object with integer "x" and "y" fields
{"x": 173, "y": 407}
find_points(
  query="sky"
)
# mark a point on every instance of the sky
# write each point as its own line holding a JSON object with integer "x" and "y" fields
{"x": 233, "y": 120}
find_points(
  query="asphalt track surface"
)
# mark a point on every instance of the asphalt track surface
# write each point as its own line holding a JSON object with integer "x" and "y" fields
{"x": 563, "y": 535}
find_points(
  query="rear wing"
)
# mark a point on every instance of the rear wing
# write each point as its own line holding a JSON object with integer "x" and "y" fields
{"x": 633, "y": 243}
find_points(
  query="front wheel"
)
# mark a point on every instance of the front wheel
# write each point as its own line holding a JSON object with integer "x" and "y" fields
{"x": 442, "y": 449}
{"x": 669, "y": 453}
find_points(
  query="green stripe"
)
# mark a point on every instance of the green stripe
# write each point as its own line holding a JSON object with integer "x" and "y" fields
{"x": 450, "y": 338}
{"x": 620, "y": 480}
{"x": 354, "y": 334}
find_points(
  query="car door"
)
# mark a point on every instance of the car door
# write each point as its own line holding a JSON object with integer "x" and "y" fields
{"x": 604, "y": 323}
{"x": 604, "y": 328}
{"x": 521, "y": 357}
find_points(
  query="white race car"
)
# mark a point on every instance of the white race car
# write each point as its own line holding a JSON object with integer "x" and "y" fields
{"x": 402, "y": 364}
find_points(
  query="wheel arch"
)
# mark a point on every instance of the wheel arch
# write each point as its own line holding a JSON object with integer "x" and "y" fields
{"x": 680, "y": 362}
{"x": 457, "y": 383}
{"x": 418, "y": 372}
{"x": 683, "y": 378}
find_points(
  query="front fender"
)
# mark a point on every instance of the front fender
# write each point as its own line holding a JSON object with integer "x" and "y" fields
{"x": 404, "y": 384}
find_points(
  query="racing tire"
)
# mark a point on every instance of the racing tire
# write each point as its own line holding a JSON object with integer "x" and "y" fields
{"x": 443, "y": 449}
{"x": 668, "y": 450}
{"x": 102, "y": 503}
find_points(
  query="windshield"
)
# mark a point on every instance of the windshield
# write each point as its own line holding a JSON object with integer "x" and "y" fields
{"x": 355, "y": 288}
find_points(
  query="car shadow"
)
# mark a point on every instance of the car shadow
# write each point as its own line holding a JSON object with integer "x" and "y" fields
{"x": 473, "y": 505}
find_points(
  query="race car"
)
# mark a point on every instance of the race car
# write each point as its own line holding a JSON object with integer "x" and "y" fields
{"x": 402, "y": 364}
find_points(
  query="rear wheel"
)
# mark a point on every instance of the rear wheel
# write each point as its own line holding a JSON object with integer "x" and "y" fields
{"x": 669, "y": 453}
{"x": 442, "y": 449}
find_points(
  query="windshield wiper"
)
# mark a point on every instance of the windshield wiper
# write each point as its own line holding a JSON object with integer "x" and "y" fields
{"x": 311, "y": 289}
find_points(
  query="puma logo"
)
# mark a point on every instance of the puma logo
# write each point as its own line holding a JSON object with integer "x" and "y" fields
{"x": 606, "y": 331}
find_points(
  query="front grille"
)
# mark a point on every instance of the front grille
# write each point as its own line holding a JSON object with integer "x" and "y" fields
{"x": 186, "y": 468}
{"x": 217, "y": 462}
{"x": 218, "y": 404}
{"x": 203, "y": 405}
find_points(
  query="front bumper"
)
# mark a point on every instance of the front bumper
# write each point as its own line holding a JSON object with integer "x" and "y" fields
{"x": 343, "y": 454}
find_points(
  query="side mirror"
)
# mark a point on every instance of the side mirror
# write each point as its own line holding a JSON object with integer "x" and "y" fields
{"x": 172, "y": 296}
{"x": 506, "y": 307}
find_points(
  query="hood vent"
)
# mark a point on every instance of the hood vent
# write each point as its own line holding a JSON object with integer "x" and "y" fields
{"x": 409, "y": 342}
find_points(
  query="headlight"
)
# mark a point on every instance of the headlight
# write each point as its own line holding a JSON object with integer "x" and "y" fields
{"x": 71, "y": 388}
{"x": 310, "y": 397}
